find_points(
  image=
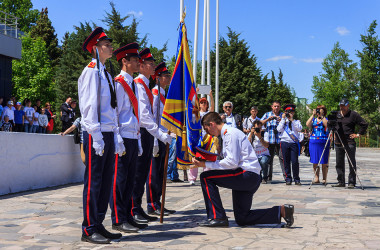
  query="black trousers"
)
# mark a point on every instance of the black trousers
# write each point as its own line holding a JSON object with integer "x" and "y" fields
{"x": 291, "y": 164}
{"x": 142, "y": 170}
{"x": 340, "y": 164}
{"x": 97, "y": 182}
{"x": 155, "y": 179}
{"x": 243, "y": 184}
{"x": 275, "y": 149}
{"x": 123, "y": 181}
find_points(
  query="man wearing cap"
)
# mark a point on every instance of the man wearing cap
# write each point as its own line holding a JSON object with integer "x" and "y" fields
{"x": 8, "y": 110}
{"x": 156, "y": 171}
{"x": 239, "y": 171}
{"x": 289, "y": 133}
{"x": 129, "y": 128}
{"x": 345, "y": 127}
{"x": 248, "y": 122}
{"x": 149, "y": 130}
{"x": 271, "y": 120}
{"x": 101, "y": 138}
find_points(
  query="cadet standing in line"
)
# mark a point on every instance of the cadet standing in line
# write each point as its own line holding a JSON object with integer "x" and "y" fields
{"x": 148, "y": 130}
{"x": 129, "y": 127}
{"x": 156, "y": 172}
{"x": 240, "y": 171}
{"x": 101, "y": 139}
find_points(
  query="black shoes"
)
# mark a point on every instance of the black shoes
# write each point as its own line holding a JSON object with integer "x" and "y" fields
{"x": 298, "y": 183}
{"x": 140, "y": 219}
{"x": 158, "y": 212}
{"x": 214, "y": 223}
{"x": 288, "y": 183}
{"x": 107, "y": 234}
{"x": 351, "y": 186}
{"x": 132, "y": 222}
{"x": 289, "y": 211}
{"x": 95, "y": 238}
{"x": 169, "y": 211}
{"x": 339, "y": 185}
{"x": 125, "y": 228}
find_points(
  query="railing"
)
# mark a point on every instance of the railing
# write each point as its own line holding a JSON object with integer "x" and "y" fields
{"x": 8, "y": 25}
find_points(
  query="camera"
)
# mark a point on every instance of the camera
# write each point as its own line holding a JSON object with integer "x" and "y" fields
{"x": 318, "y": 111}
{"x": 287, "y": 114}
{"x": 257, "y": 130}
{"x": 333, "y": 118}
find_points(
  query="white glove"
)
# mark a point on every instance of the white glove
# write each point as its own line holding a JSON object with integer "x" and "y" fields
{"x": 140, "y": 148}
{"x": 167, "y": 138}
{"x": 155, "y": 150}
{"x": 119, "y": 144}
{"x": 99, "y": 147}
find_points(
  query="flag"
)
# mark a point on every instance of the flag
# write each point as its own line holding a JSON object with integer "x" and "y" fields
{"x": 181, "y": 111}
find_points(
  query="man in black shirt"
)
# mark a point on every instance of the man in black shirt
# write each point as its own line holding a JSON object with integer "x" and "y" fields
{"x": 346, "y": 129}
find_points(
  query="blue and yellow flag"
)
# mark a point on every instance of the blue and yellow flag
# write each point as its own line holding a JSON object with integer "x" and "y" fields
{"x": 181, "y": 111}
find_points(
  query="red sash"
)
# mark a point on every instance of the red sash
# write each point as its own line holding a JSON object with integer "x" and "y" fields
{"x": 131, "y": 95}
{"x": 162, "y": 98}
{"x": 147, "y": 90}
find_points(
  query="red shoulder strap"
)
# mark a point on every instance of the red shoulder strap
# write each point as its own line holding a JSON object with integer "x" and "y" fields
{"x": 147, "y": 90}
{"x": 130, "y": 94}
{"x": 162, "y": 97}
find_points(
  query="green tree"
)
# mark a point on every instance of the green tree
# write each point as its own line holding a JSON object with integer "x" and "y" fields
{"x": 23, "y": 10}
{"x": 339, "y": 79}
{"x": 240, "y": 78}
{"x": 46, "y": 31}
{"x": 369, "y": 87}
{"x": 279, "y": 91}
{"x": 32, "y": 74}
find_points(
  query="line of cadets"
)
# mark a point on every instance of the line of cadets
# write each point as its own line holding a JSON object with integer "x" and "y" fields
{"x": 120, "y": 120}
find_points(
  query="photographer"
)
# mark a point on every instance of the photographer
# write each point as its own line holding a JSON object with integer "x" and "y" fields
{"x": 289, "y": 130}
{"x": 271, "y": 120}
{"x": 345, "y": 127}
{"x": 319, "y": 136}
{"x": 259, "y": 140}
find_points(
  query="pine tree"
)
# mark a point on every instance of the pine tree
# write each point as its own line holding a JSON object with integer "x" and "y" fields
{"x": 46, "y": 31}
{"x": 369, "y": 87}
{"x": 23, "y": 10}
{"x": 279, "y": 91}
{"x": 33, "y": 74}
{"x": 339, "y": 79}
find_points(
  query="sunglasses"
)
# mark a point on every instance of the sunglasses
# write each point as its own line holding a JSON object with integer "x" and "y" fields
{"x": 227, "y": 107}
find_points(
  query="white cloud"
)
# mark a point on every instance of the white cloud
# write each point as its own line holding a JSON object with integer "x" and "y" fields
{"x": 136, "y": 14}
{"x": 278, "y": 58}
{"x": 342, "y": 31}
{"x": 311, "y": 60}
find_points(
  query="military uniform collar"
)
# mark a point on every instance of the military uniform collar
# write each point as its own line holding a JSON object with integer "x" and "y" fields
{"x": 146, "y": 80}
{"x": 126, "y": 75}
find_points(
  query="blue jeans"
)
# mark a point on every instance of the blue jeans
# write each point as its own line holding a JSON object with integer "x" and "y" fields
{"x": 28, "y": 128}
{"x": 35, "y": 128}
{"x": 264, "y": 161}
{"x": 42, "y": 130}
{"x": 172, "y": 163}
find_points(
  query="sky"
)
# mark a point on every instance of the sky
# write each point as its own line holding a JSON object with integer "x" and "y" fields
{"x": 293, "y": 36}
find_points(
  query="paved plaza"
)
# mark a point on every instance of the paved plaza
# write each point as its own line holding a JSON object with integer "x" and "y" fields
{"x": 325, "y": 217}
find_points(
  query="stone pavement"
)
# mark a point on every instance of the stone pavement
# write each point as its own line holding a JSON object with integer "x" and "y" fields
{"x": 325, "y": 217}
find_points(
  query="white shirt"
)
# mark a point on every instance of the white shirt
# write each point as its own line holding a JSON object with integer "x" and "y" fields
{"x": 248, "y": 122}
{"x": 9, "y": 112}
{"x": 156, "y": 101}
{"x": 129, "y": 126}
{"x": 88, "y": 102}
{"x": 42, "y": 120}
{"x": 230, "y": 121}
{"x": 29, "y": 111}
{"x": 147, "y": 119}
{"x": 296, "y": 128}
{"x": 259, "y": 147}
{"x": 237, "y": 151}
{"x": 36, "y": 115}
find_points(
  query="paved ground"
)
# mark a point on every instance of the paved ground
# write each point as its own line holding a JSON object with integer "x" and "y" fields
{"x": 325, "y": 217}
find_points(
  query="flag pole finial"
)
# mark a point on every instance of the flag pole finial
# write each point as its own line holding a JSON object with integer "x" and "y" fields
{"x": 183, "y": 15}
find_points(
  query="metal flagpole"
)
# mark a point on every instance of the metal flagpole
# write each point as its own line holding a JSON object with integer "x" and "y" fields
{"x": 208, "y": 48}
{"x": 204, "y": 44}
{"x": 180, "y": 9}
{"x": 195, "y": 61}
{"x": 217, "y": 60}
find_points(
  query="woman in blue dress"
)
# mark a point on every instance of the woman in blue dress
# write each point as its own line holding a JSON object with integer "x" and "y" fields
{"x": 318, "y": 138}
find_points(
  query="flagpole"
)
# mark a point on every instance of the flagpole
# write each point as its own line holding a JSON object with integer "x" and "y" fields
{"x": 204, "y": 44}
{"x": 217, "y": 60}
{"x": 195, "y": 61}
{"x": 208, "y": 48}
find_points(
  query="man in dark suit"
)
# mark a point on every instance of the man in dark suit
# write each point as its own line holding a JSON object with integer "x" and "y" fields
{"x": 66, "y": 111}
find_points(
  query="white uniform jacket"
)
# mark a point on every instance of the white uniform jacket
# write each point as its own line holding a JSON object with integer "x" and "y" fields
{"x": 237, "y": 151}
{"x": 296, "y": 128}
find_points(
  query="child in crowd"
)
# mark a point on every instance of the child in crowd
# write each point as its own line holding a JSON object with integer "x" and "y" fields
{"x": 42, "y": 121}
{"x": 35, "y": 127}
{"x": 7, "y": 126}
{"x": 19, "y": 118}
{"x": 28, "y": 117}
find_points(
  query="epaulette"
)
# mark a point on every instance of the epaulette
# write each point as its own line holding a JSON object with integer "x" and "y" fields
{"x": 155, "y": 91}
{"x": 91, "y": 65}
{"x": 225, "y": 132}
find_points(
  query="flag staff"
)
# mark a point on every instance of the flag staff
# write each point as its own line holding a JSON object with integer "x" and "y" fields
{"x": 204, "y": 44}
{"x": 195, "y": 61}
{"x": 217, "y": 59}
{"x": 208, "y": 48}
